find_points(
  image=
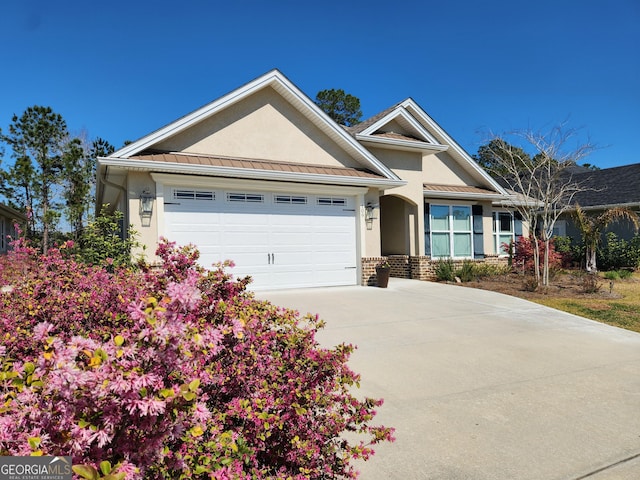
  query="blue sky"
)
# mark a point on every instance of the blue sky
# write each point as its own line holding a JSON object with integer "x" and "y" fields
{"x": 123, "y": 69}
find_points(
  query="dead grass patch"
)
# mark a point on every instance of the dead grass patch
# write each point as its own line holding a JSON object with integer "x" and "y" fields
{"x": 616, "y": 303}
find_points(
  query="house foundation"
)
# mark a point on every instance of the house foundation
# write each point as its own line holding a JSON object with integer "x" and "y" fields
{"x": 415, "y": 267}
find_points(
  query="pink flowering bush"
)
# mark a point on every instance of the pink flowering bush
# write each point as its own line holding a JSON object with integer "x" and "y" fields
{"x": 174, "y": 372}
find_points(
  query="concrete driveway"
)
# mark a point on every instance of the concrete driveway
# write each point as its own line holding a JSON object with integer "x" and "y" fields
{"x": 484, "y": 386}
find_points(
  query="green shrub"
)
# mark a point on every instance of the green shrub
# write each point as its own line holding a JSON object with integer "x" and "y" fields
{"x": 625, "y": 274}
{"x": 612, "y": 275}
{"x": 617, "y": 253}
{"x": 618, "y": 274}
{"x": 444, "y": 270}
{"x": 466, "y": 272}
{"x": 104, "y": 242}
{"x": 570, "y": 253}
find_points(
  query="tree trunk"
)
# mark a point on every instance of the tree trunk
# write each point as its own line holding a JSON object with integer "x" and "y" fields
{"x": 536, "y": 258}
{"x": 591, "y": 260}
{"x": 545, "y": 268}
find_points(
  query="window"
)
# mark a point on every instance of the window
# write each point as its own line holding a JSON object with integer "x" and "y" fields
{"x": 560, "y": 228}
{"x": 181, "y": 194}
{"x": 451, "y": 231}
{"x": 245, "y": 197}
{"x": 335, "y": 201}
{"x": 290, "y": 199}
{"x": 503, "y": 231}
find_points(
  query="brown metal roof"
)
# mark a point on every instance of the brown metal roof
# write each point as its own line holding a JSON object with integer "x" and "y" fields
{"x": 245, "y": 163}
{"x": 457, "y": 189}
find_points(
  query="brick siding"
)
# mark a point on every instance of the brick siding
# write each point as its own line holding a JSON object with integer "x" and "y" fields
{"x": 417, "y": 268}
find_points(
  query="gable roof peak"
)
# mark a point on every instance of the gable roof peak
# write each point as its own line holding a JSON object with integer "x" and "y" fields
{"x": 290, "y": 93}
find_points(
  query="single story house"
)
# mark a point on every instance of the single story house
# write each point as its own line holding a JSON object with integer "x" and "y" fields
{"x": 601, "y": 190}
{"x": 265, "y": 178}
{"x": 9, "y": 217}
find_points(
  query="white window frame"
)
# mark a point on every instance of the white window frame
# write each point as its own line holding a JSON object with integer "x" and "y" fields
{"x": 193, "y": 194}
{"x": 244, "y": 197}
{"x": 497, "y": 232}
{"x": 331, "y": 201}
{"x": 451, "y": 231}
{"x": 285, "y": 199}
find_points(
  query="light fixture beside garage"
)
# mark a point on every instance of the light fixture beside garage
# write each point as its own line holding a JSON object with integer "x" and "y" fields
{"x": 146, "y": 204}
{"x": 370, "y": 214}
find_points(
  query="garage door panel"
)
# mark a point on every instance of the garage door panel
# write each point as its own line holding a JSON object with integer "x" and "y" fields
{"x": 278, "y": 245}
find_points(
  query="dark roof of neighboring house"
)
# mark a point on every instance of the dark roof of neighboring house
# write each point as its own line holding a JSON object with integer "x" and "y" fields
{"x": 609, "y": 186}
{"x": 245, "y": 163}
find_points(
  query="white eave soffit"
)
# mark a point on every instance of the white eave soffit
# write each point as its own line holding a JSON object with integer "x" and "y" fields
{"x": 397, "y": 144}
{"x": 291, "y": 93}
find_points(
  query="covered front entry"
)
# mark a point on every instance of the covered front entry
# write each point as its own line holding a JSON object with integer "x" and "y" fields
{"x": 399, "y": 226}
{"x": 282, "y": 240}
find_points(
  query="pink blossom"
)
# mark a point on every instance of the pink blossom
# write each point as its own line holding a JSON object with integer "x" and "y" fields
{"x": 201, "y": 413}
{"x": 41, "y": 330}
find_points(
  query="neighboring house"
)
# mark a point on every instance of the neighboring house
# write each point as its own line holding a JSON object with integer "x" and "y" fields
{"x": 265, "y": 178}
{"x": 9, "y": 217}
{"x": 604, "y": 189}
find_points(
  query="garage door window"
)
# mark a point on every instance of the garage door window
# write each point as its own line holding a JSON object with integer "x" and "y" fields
{"x": 290, "y": 199}
{"x": 332, "y": 201}
{"x": 181, "y": 194}
{"x": 245, "y": 197}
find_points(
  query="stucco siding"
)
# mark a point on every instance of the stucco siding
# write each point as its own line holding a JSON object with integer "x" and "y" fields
{"x": 263, "y": 126}
{"x": 146, "y": 228}
{"x": 371, "y": 232}
{"x": 442, "y": 169}
{"x": 407, "y": 166}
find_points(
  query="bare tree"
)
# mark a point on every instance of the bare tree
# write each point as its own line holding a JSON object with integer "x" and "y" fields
{"x": 542, "y": 184}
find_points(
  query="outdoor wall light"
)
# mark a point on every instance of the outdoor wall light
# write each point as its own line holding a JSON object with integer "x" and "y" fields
{"x": 146, "y": 203}
{"x": 371, "y": 212}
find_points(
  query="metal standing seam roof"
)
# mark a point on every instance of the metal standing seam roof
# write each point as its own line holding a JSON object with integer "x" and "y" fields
{"x": 252, "y": 164}
{"x": 430, "y": 187}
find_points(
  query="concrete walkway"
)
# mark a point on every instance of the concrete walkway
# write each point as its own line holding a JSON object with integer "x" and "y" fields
{"x": 484, "y": 386}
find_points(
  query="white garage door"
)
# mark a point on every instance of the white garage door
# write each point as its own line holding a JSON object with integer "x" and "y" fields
{"x": 281, "y": 240}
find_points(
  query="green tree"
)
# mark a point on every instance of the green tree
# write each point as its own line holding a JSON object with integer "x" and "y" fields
{"x": 79, "y": 179}
{"x": 591, "y": 228}
{"x": 37, "y": 139}
{"x": 497, "y": 155}
{"x": 340, "y": 106}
